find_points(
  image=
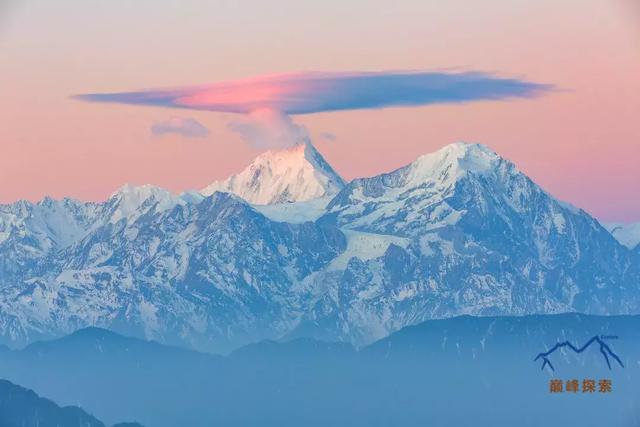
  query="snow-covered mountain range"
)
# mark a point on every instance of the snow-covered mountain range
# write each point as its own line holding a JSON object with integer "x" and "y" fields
{"x": 287, "y": 248}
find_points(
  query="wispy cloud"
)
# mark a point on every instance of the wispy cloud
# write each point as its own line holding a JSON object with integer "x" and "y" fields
{"x": 305, "y": 93}
{"x": 184, "y": 126}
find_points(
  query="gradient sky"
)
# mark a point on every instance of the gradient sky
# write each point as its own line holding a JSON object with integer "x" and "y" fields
{"x": 582, "y": 143}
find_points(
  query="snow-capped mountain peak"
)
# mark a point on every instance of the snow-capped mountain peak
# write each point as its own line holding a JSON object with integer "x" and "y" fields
{"x": 439, "y": 171}
{"x": 129, "y": 199}
{"x": 452, "y": 161}
{"x": 139, "y": 192}
{"x": 436, "y": 190}
{"x": 299, "y": 173}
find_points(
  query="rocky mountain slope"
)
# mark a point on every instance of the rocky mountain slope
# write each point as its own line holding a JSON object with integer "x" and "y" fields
{"x": 458, "y": 231}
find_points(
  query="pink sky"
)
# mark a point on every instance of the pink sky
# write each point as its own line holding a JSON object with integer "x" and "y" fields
{"x": 582, "y": 144}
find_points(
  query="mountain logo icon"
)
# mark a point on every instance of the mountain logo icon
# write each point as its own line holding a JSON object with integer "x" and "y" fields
{"x": 605, "y": 350}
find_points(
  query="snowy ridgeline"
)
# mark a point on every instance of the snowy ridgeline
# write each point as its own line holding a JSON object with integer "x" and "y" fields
{"x": 627, "y": 234}
{"x": 287, "y": 248}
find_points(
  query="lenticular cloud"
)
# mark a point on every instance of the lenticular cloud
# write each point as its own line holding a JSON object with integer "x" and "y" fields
{"x": 305, "y": 93}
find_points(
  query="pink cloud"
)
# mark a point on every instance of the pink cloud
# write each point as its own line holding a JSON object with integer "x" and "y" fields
{"x": 305, "y": 93}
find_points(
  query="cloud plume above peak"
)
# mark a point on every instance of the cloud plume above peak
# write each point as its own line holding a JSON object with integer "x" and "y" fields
{"x": 266, "y": 128}
{"x": 305, "y": 93}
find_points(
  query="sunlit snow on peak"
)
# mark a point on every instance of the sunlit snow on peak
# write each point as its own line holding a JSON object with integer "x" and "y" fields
{"x": 294, "y": 174}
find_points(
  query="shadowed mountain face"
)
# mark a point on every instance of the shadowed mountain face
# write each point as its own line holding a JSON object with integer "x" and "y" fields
{"x": 462, "y": 371}
{"x": 459, "y": 231}
{"x": 20, "y": 407}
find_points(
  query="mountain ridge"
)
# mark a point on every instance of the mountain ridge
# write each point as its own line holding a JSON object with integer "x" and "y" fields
{"x": 458, "y": 231}
{"x": 407, "y": 377}
{"x": 627, "y": 234}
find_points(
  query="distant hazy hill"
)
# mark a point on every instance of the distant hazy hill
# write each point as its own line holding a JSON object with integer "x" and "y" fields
{"x": 462, "y": 371}
{"x": 20, "y": 407}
